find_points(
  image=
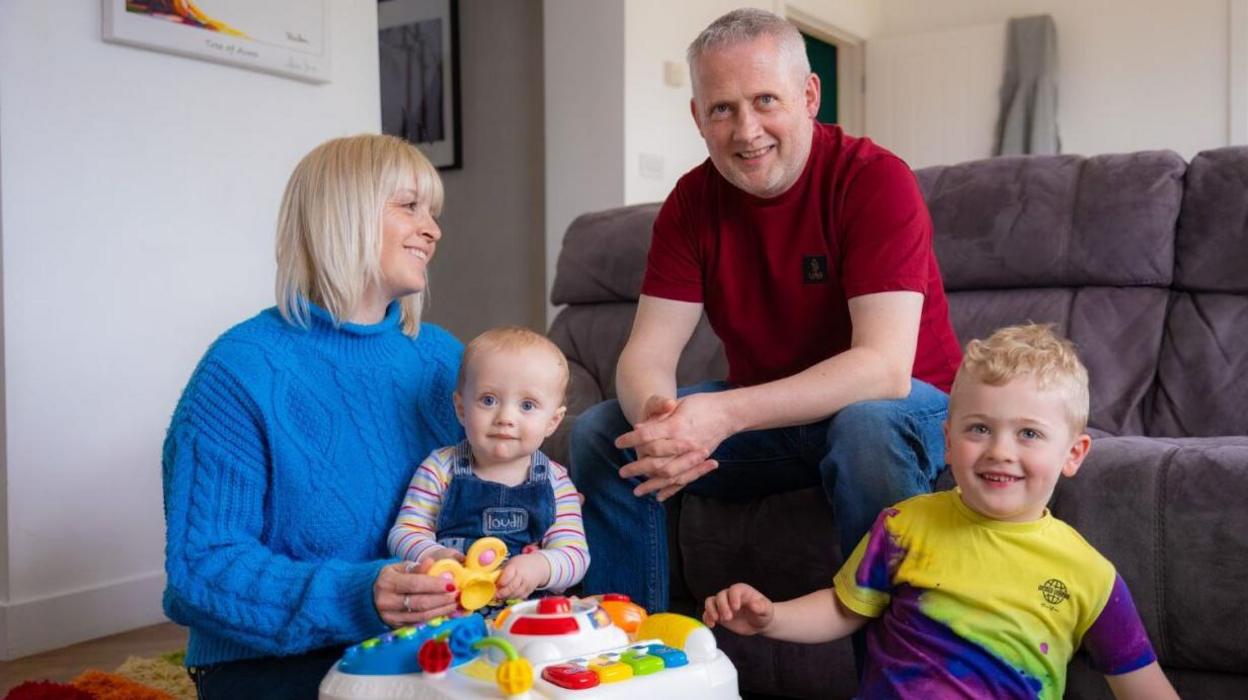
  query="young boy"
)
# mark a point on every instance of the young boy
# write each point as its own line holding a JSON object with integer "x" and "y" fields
{"x": 980, "y": 592}
{"x": 509, "y": 397}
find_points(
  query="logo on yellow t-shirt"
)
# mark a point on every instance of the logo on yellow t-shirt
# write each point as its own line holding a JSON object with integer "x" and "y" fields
{"x": 1054, "y": 592}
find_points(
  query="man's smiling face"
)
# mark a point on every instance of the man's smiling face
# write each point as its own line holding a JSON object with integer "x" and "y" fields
{"x": 756, "y": 113}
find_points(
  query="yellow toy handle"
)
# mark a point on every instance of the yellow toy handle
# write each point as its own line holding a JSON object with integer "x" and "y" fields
{"x": 486, "y": 555}
{"x": 515, "y": 675}
{"x": 476, "y": 577}
{"x": 681, "y": 632}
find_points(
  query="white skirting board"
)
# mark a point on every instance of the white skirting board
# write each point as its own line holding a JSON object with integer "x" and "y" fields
{"x": 49, "y": 622}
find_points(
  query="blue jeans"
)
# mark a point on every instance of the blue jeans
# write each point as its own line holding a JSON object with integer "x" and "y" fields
{"x": 868, "y": 456}
{"x": 269, "y": 678}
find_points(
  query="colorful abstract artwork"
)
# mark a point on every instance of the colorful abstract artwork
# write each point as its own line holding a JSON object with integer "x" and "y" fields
{"x": 283, "y": 37}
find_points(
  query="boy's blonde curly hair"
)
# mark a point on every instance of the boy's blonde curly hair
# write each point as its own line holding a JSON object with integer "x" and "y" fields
{"x": 1029, "y": 349}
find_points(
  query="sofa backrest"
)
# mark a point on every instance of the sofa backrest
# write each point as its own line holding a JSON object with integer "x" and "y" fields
{"x": 1201, "y": 387}
{"x": 1083, "y": 243}
{"x": 1140, "y": 259}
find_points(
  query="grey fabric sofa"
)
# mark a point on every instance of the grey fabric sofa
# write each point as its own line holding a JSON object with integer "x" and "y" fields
{"x": 1142, "y": 259}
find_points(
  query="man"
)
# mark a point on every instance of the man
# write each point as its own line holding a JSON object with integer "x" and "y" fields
{"x": 811, "y": 253}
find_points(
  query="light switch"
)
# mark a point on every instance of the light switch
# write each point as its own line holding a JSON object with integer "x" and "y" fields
{"x": 673, "y": 73}
{"x": 650, "y": 166}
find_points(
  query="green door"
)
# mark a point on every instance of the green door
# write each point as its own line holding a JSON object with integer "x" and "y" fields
{"x": 823, "y": 63}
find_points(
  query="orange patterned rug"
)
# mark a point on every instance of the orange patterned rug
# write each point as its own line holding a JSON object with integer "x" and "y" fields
{"x": 139, "y": 678}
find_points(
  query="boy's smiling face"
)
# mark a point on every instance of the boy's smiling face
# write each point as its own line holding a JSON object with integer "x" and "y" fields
{"x": 1007, "y": 445}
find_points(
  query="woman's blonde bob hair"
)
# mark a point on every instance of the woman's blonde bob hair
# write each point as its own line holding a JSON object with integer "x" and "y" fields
{"x": 329, "y": 225}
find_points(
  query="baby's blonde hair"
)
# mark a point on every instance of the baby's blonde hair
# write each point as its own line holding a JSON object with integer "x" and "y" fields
{"x": 1029, "y": 349}
{"x": 511, "y": 338}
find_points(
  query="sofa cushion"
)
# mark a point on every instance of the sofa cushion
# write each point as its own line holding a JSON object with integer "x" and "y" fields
{"x": 603, "y": 257}
{"x": 1169, "y": 514}
{"x": 1211, "y": 243}
{"x": 1056, "y": 221}
{"x": 722, "y": 543}
{"x": 1117, "y": 330}
{"x": 1202, "y": 373}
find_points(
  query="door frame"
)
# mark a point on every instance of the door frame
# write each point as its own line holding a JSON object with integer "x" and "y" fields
{"x": 850, "y": 67}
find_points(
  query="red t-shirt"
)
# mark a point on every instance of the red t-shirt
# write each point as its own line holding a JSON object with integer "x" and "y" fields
{"x": 774, "y": 275}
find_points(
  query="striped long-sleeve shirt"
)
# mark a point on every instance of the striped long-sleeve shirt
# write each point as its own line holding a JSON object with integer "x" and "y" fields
{"x": 415, "y": 530}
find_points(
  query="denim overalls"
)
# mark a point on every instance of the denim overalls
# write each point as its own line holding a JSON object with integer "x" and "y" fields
{"x": 473, "y": 508}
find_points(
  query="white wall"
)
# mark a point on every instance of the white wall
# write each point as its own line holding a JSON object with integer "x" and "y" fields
{"x": 658, "y": 126}
{"x": 933, "y": 97}
{"x": 139, "y": 192}
{"x": 490, "y": 266}
{"x": 583, "y": 69}
{"x": 861, "y": 18}
{"x": 1132, "y": 74}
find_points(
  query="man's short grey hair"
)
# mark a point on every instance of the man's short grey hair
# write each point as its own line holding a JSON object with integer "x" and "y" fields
{"x": 748, "y": 24}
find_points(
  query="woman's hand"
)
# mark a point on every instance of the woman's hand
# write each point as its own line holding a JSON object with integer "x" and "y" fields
{"x": 405, "y": 595}
{"x": 522, "y": 575}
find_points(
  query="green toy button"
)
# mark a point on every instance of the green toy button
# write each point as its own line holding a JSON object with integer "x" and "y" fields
{"x": 642, "y": 664}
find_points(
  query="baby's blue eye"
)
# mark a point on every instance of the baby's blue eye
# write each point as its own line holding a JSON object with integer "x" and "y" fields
{"x": 979, "y": 429}
{"x": 528, "y": 405}
{"x": 1030, "y": 434}
{"x": 488, "y": 401}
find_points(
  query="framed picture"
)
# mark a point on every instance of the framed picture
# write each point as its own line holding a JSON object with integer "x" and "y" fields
{"x": 282, "y": 37}
{"x": 419, "y": 60}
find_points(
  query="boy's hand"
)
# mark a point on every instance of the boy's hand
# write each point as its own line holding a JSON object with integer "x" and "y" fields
{"x": 444, "y": 553}
{"x": 522, "y": 575}
{"x": 739, "y": 608}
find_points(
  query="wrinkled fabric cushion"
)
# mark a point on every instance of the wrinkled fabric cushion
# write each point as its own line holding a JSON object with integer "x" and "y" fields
{"x": 1211, "y": 244}
{"x": 1202, "y": 374}
{"x": 603, "y": 256}
{"x": 722, "y": 543}
{"x": 1117, "y": 330}
{"x": 1056, "y": 221}
{"x": 1170, "y": 515}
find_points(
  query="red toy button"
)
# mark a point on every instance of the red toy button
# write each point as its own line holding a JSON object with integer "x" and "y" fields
{"x": 545, "y": 626}
{"x": 615, "y": 597}
{"x": 554, "y": 605}
{"x": 570, "y": 676}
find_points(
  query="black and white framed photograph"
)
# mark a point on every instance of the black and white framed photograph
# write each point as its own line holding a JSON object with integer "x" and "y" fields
{"x": 419, "y": 58}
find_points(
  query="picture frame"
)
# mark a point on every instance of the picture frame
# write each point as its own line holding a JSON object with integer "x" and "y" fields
{"x": 418, "y": 56}
{"x": 288, "y": 38}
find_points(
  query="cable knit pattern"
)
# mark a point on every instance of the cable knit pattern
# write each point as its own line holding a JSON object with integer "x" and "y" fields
{"x": 284, "y": 466}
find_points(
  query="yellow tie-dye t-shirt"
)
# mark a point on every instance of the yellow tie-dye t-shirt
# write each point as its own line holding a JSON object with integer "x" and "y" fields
{"x": 982, "y": 607}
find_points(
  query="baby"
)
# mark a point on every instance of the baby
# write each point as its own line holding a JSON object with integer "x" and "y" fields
{"x": 980, "y": 591}
{"x": 509, "y": 397}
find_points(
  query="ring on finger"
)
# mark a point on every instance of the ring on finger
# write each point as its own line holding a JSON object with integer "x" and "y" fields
{"x": 407, "y": 603}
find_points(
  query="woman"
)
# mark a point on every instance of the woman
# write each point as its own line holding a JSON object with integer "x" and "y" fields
{"x": 295, "y": 438}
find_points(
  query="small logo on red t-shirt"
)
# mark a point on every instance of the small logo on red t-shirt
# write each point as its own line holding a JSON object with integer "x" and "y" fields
{"x": 815, "y": 269}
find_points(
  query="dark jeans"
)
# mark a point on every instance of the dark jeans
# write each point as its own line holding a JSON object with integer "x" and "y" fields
{"x": 266, "y": 678}
{"x": 868, "y": 456}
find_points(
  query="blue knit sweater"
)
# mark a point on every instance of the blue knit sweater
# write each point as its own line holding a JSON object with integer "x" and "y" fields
{"x": 284, "y": 467}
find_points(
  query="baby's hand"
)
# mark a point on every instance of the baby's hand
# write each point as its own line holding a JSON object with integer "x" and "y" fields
{"x": 522, "y": 575}
{"x": 739, "y": 608}
{"x": 444, "y": 553}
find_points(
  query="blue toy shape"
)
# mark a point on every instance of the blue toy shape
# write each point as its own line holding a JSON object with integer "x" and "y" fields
{"x": 395, "y": 653}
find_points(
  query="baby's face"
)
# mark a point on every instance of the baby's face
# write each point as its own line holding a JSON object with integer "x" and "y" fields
{"x": 511, "y": 401}
{"x": 1008, "y": 445}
